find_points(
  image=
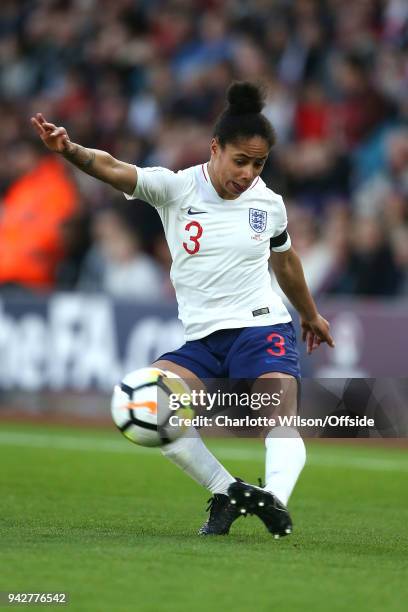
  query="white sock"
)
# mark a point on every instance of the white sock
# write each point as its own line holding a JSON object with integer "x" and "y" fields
{"x": 285, "y": 458}
{"x": 194, "y": 458}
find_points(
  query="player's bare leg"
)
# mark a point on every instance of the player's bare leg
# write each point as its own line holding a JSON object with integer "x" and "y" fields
{"x": 191, "y": 455}
{"x": 285, "y": 458}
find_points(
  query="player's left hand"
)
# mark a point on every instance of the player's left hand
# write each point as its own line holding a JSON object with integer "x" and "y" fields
{"x": 316, "y": 331}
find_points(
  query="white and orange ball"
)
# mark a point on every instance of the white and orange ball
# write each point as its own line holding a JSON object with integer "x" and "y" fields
{"x": 145, "y": 406}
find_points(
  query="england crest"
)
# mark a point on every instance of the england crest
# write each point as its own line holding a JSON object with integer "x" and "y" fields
{"x": 257, "y": 219}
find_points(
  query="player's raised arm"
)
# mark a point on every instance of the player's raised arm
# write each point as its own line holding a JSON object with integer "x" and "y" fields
{"x": 100, "y": 164}
{"x": 289, "y": 274}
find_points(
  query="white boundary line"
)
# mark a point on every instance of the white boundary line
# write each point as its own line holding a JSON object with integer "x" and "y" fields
{"x": 64, "y": 442}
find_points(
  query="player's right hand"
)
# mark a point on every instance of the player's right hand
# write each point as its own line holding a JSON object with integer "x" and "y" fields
{"x": 55, "y": 138}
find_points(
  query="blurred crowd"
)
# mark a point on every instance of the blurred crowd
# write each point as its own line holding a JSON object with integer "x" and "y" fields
{"x": 145, "y": 79}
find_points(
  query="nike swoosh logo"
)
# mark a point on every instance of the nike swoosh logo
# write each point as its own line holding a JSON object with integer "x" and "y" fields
{"x": 192, "y": 212}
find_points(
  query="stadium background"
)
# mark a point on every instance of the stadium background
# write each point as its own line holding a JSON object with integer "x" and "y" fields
{"x": 84, "y": 288}
{"x": 145, "y": 81}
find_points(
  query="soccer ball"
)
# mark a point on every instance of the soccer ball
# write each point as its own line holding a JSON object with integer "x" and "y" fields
{"x": 141, "y": 406}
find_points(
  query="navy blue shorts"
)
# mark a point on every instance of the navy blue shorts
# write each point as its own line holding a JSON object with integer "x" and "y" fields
{"x": 247, "y": 352}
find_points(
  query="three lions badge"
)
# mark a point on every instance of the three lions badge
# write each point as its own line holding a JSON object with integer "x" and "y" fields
{"x": 257, "y": 219}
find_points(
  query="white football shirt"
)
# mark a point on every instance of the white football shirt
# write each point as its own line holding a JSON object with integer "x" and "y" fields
{"x": 220, "y": 248}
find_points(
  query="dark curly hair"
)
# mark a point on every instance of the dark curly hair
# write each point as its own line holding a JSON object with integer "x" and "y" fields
{"x": 242, "y": 118}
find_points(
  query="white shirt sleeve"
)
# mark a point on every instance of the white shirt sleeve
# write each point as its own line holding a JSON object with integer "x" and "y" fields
{"x": 280, "y": 241}
{"x": 156, "y": 186}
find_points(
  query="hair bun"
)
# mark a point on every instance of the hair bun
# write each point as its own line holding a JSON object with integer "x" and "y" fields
{"x": 244, "y": 98}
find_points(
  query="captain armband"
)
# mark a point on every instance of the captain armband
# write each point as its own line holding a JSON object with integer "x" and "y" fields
{"x": 279, "y": 241}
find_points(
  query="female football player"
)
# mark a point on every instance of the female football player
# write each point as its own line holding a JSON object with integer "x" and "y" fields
{"x": 222, "y": 223}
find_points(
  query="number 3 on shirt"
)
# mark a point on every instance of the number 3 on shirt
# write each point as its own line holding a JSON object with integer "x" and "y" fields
{"x": 196, "y": 231}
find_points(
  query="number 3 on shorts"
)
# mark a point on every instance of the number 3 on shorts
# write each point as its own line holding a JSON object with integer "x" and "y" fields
{"x": 194, "y": 236}
{"x": 278, "y": 344}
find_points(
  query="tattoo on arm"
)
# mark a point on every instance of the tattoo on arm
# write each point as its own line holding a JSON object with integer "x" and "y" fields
{"x": 88, "y": 163}
{"x": 81, "y": 157}
{"x": 98, "y": 164}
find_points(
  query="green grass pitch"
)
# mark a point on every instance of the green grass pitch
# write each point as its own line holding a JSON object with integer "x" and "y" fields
{"x": 86, "y": 512}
